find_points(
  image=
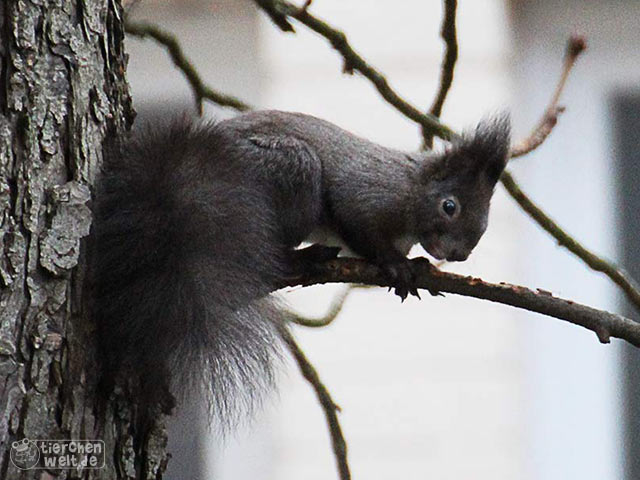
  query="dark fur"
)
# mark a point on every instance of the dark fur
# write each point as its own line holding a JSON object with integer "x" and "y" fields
{"x": 196, "y": 223}
{"x": 183, "y": 250}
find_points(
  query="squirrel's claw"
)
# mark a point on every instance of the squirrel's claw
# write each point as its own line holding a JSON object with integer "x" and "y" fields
{"x": 402, "y": 279}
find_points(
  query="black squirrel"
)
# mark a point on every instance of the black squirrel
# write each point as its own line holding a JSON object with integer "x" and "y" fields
{"x": 198, "y": 221}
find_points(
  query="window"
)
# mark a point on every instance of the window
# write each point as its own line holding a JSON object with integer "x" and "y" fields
{"x": 626, "y": 142}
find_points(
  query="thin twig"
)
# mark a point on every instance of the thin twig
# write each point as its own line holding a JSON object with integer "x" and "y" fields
{"x": 575, "y": 46}
{"x": 626, "y": 283}
{"x": 335, "y": 308}
{"x": 200, "y": 89}
{"x": 280, "y": 11}
{"x": 449, "y": 36}
{"x": 603, "y": 323}
{"x": 278, "y": 18}
{"x": 328, "y": 405}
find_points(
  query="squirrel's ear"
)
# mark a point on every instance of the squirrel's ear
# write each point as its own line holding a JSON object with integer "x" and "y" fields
{"x": 488, "y": 146}
{"x": 484, "y": 151}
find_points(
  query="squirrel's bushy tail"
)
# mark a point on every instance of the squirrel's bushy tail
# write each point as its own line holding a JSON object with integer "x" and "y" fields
{"x": 183, "y": 257}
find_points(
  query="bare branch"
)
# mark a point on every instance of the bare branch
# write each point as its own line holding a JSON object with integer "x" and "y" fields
{"x": 200, "y": 89}
{"x": 603, "y": 323}
{"x": 280, "y": 11}
{"x": 271, "y": 8}
{"x": 448, "y": 34}
{"x": 575, "y": 46}
{"x": 335, "y": 308}
{"x": 617, "y": 275}
{"x": 328, "y": 405}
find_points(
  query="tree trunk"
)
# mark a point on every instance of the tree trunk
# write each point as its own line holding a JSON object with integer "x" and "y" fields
{"x": 62, "y": 94}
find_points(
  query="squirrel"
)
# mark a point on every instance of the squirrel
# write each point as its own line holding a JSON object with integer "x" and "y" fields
{"x": 197, "y": 222}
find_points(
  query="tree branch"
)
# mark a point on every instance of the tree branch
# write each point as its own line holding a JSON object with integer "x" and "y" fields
{"x": 603, "y": 323}
{"x": 200, "y": 89}
{"x": 330, "y": 408}
{"x": 617, "y": 275}
{"x": 575, "y": 46}
{"x": 334, "y": 310}
{"x": 280, "y": 11}
{"x": 448, "y": 34}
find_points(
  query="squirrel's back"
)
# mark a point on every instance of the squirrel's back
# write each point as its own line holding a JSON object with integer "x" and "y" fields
{"x": 184, "y": 254}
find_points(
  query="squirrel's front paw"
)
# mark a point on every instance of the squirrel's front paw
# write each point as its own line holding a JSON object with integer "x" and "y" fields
{"x": 402, "y": 278}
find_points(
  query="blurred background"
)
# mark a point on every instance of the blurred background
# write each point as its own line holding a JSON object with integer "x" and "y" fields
{"x": 445, "y": 388}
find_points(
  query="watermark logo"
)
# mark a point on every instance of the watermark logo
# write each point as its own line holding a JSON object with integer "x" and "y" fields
{"x": 29, "y": 454}
{"x": 24, "y": 454}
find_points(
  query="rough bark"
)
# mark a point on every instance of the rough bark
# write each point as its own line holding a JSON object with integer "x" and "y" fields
{"x": 62, "y": 93}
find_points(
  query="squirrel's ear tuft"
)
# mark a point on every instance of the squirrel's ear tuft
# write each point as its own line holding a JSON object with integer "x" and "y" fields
{"x": 488, "y": 146}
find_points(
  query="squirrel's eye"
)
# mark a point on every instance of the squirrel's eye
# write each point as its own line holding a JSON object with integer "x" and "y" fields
{"x": 449, "y": 207}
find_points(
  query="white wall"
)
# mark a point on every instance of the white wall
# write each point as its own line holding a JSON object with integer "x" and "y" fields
{"x": 442, "y": 388}
{"x": 572, "y": 381}
{"x": 219, "y": 37}
{"x": 431, "y": 388}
